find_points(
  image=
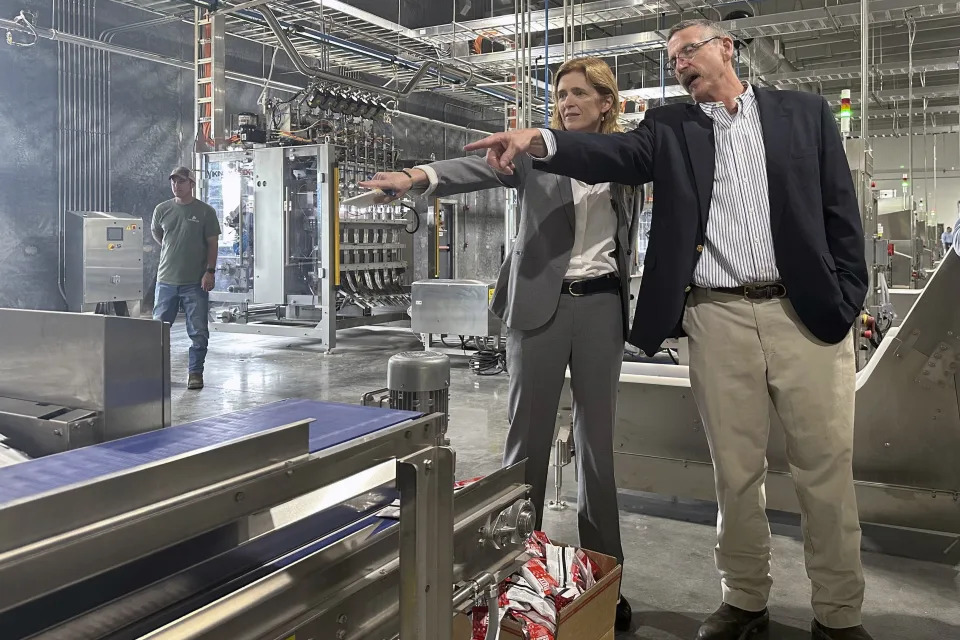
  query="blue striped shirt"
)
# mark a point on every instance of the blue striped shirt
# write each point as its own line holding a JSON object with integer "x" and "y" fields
{"x": 738, "y": 248}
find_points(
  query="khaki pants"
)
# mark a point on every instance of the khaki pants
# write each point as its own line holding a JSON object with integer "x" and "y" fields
{"x": 744, "y": 354}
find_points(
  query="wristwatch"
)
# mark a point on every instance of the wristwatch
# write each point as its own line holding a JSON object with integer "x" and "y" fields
{"x": 209, "y": 270}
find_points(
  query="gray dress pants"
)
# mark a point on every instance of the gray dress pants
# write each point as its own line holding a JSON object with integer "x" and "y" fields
{"x": 586, "y": 334}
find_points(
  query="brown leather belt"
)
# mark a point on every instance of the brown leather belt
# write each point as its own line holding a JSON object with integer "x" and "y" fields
{"x": 763, "y": 291}
{"x": 602, "y": 284}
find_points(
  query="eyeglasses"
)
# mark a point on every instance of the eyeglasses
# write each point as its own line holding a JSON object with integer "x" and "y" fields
{"x": 687, "y": 53}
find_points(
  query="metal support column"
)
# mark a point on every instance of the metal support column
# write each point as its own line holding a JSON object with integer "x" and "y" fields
{"x": 425, "y": 481}
{"x": 864, "y": 77}
{"x": 911, "y": 35}
{"x": 926, "y": 191}
{"x": 935, "y": 136}
{"x": 328, "y": 238}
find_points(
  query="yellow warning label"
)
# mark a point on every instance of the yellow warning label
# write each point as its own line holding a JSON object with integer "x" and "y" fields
{"x": 489, "y": 295}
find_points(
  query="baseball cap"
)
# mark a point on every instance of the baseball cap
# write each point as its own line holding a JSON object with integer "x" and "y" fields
{"x": 183, "y": 172}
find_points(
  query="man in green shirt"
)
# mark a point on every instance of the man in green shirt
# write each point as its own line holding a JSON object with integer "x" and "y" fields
{"x": 186, "y": 230}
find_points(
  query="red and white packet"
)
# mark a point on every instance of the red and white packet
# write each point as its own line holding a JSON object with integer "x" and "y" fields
{"x": 536, "y": 575}
{"x": 533, "y": 630}
{"x": 536, "y": 544}
{"x": 589, "y": 569}
{"x": 524, "y": 599}
{"x": 551, "y": 580}
{"x": 463, "y": 484}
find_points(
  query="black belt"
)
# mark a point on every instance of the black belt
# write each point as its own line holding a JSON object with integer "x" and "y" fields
{"x": 765, "y": 291}
{"x": 602, "y": 284}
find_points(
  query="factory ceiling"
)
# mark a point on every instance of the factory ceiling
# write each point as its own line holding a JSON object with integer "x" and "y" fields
{"x": 794, "y": 43}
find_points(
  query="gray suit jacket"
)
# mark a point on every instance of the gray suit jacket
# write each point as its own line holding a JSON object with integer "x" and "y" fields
{"x": 528, "y": 289}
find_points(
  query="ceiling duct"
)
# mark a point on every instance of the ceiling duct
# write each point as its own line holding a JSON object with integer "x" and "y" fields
{"x": 763, "y": 55}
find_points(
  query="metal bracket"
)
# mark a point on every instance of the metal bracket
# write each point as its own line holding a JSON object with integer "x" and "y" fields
{"x": 940, "y": 368}
{"x": 425, "y": 481}
{"x": 908, "y": 342}
{"x": 375, "y": 398}
{"x": 562, "y": 456}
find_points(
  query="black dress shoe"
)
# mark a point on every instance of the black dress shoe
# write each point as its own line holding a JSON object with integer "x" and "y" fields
{"x": 820, "y": 632}
{"x": 624, "y": 615}
{"x": 731, "y": 623}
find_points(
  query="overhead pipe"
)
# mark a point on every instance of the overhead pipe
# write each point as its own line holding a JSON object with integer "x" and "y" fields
{"x": 442, "y": 72}
{"x": 307, "y": 70}
{"x": 310, "y": 34}
{"x": 68, "y": 38}
{"x": 51, "y": 34}
{"x": 108, "y": 34}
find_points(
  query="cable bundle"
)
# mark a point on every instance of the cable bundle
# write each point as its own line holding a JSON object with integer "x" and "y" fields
{"x": 488, "y": 363}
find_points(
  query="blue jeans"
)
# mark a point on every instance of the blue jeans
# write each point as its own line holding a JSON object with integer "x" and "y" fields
{"x": 195, "y": 301}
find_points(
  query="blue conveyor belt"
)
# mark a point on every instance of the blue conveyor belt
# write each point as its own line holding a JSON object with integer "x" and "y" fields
{"x": 333, "y": 424}
{"x": 130, "y": 601}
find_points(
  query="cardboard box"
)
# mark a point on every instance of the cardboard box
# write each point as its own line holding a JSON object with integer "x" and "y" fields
{"x": 589, "y": 617}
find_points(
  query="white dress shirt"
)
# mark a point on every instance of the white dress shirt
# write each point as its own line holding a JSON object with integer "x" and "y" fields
{"x": 738, "y": 248}
{"x": 594, "y": 231}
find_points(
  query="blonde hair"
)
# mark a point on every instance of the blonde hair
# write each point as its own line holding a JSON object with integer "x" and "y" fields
{"x": 600, "y": 77}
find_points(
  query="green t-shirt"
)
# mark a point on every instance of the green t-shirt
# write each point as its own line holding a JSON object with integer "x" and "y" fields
{"x": 185, "y": 227}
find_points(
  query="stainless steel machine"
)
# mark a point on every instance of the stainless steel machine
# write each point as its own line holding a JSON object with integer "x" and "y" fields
{"x": 103, "y": 262}
{"x": 292, "y": 260}
{"x": 905, "y": 263}
{"x": 907, "y": 424}
{"x": 459, "y": 308}
{"x": 139, "y": 538}
{"x": 70, "y": 380}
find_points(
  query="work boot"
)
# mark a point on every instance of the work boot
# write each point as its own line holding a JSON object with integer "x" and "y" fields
{"x": 820, "y": 632}
{"x": 195, "y": 381}
{"x": 624, "y": 615}
{"x": 730, "y": 623}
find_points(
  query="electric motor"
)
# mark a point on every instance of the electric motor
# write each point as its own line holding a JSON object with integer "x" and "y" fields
{"x": 420, "y": 381}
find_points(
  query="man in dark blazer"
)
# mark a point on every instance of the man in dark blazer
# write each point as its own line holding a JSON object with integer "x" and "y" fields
{"x": 756, "y": 253}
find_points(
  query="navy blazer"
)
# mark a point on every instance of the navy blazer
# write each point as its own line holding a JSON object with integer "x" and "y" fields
{"x": 817, "y": 232}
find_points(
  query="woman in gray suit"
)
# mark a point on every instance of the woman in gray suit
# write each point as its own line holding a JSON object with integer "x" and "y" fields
{"x": 563, "y": 293}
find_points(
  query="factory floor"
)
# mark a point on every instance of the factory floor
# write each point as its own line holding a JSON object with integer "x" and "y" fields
{"x": 668, "y": 576}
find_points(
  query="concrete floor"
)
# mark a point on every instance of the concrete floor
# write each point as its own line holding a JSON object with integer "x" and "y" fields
{"x": 669, "y": 575}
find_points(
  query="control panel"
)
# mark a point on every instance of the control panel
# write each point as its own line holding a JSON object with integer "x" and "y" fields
{"x": 104, "y": 259}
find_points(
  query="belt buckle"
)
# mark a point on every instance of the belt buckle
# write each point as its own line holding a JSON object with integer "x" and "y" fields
{"x": 764, "y": 291}
{"x": 570, "y": 288}
{"x": 753, "y": 292}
